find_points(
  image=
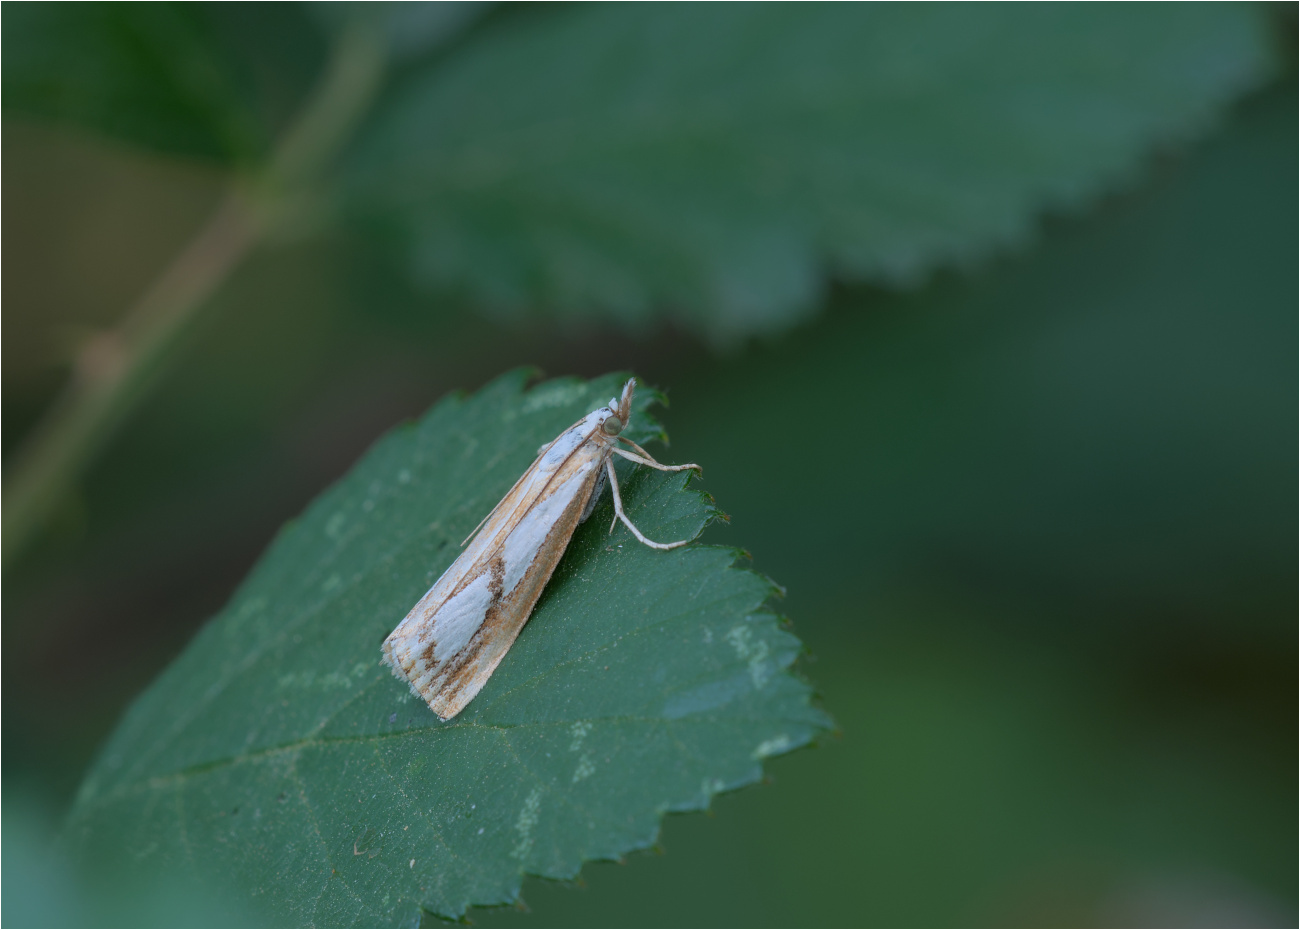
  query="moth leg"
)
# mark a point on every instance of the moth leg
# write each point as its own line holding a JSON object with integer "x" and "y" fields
{"x": 650, "y": 459}
{"x": 639, "y": 450}
{"x": 595, "y": 496}
{"x": 653, "y": 464}
{"x": 620, "y": 515}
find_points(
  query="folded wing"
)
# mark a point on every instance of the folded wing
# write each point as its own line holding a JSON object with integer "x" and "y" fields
{"x": 454, "y": 637}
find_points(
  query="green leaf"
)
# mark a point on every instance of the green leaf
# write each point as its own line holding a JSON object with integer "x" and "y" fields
{"x": 713, "y": 161}
{"x": 1103, "y": 422}
{"x": 215, "y": 81}
{"x": 407, "y": 30}
{"x": 279, "y": 760}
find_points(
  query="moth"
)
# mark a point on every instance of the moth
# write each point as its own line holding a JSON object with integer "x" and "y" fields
{"x": 455, "y": 636}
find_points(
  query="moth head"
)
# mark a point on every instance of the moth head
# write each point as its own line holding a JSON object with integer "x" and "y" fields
{"x": 620, "y": 409}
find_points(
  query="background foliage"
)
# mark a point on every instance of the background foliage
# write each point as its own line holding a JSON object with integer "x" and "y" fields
{"x": 1025, "y": 465}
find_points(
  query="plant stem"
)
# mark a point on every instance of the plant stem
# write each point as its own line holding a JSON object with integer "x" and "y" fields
{"x": 111, "y": 371}
{"x": 115, "y": 369}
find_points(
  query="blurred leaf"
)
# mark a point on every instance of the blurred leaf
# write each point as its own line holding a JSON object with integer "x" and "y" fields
{"x": 1106, "y": 421}
{"x": 409, "y": 29}
{"x": 277, "y": 757}
{"x": 212, "y": 80}
{"x": 44, "y": 889}
{"x": 713, "y": 161}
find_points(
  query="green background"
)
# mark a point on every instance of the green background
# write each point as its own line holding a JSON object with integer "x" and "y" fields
{"x": 1030, "y": 488}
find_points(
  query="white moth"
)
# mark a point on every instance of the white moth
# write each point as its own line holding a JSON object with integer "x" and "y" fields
{"x": 452, "y": 640}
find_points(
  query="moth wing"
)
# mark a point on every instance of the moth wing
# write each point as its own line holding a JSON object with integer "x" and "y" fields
{"x": 490, "y": 534}
{"x": 485, "y": 537}
{"x": 453, "y": 638}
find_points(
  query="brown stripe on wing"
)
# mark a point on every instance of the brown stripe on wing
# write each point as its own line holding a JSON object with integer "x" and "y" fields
{"x": 486, "y": 544}
{"x": 496, "y": 581}
{"x": 465, "y": 673}
{"x": 511, "y": 508}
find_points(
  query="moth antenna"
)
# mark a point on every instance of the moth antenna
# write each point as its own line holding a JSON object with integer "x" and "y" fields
{"x": 625, "y": 404}
{"x": 475, "y": 530}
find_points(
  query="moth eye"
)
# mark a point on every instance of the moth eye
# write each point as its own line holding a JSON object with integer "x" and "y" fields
{"x": 612, "y": 426}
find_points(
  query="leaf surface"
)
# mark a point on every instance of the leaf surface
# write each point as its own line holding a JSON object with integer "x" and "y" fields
{"x": 713, "y": 162}
{"x": 277, "y": 759}
{"x": 214, "y": 81}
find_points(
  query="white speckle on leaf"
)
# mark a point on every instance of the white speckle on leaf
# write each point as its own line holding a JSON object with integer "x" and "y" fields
{"x": 524, "y": 825}
{"x": 585, "y": 768}
{"x": 296, "y": 680}
{"x": 711, "y": 786}
{"x": 754, "y": 652}
{"x": 553, "y": 395}
{"x": 334, "y": 525}
{"x": 579, "y": 732}
{"x": 412, "y": 863}
{"x": 708, "y": 636}
{"x": 327, "y": 681}
{"x": 404, "y": 477}
{"x": 774, "y": 746}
